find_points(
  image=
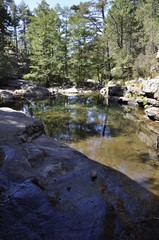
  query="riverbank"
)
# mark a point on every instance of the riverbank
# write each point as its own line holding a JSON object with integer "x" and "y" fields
{"x": 66, "y": 194}
{"x": 19, "y": 88}
{"x": 139, "y": 93}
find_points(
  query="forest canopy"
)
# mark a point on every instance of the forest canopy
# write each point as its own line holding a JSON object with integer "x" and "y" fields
{"x": 97, "y": 39}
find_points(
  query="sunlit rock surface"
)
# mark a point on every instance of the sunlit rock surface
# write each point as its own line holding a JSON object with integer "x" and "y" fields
{"x": 153, "y": 113}
{"x": 50, "y": 191}
{"x": 151, "y": 87}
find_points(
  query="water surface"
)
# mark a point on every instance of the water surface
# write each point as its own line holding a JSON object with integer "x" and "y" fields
{"x": 110, "y": 134}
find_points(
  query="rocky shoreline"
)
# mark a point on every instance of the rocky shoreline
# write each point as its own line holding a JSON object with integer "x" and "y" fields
{"x": 141, "y": 93}
{"x": 138, "y": 93}
{"x": 22, "y": 89}
{"x": 50, "y": 191}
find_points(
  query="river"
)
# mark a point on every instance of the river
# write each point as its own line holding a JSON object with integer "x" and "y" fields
{"x": 108, "y": 133}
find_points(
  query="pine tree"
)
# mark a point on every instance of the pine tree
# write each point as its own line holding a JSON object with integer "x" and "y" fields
{"x": 63, "y": 50}
{"x": 90, "y": 39}
{"x": 24, "y": 15}
{"x": 5, "y": 23}
{"x": 81, "y": 36}
{"x": 122, "y": 27}
{"x": 148, "y": 44}
{"x": 43, "y": 38}
{"x": 15, "y": 22}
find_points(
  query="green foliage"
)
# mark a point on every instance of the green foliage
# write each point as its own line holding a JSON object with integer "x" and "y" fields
{"x": 141, "y": 97}
{"x": 24, "y": 15}
{"x": 148, "y": 17}
{"x": 122, "y": 29}
{"x": 6, "y": 69}
{"x": 43, "y": 38}
{"x": 144, "y": 103}
{"x": 124, "y": 63}
{"x": 15, "y": 23}
{"x": 5, "y": 22}
{"x": 143, "y": 64}
{"x": 81, "y": 34}
{"x": 93, "y": 40}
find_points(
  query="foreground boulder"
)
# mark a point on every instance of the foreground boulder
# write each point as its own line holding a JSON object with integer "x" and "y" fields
{"x": 50, "y": 191}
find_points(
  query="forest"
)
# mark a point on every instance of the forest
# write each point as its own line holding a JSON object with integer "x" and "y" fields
{"x": 97, "y": 39}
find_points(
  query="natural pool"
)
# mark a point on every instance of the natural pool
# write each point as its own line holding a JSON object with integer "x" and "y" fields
{"x": 108, "y": 133}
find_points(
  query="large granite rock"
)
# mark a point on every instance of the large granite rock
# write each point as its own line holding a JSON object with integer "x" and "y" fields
{"x": 35, "y": 91}
{"x": 6, "y": 95}
{"x": 147, "y": 101}
{"x": 151, "y": 88}
{"x": 20, "y": 88}
{"x": 153, "y": 113}
{"x": 50, "y": 191}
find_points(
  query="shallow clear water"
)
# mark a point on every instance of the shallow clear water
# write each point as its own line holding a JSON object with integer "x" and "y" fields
{"x": 110, "y": 134}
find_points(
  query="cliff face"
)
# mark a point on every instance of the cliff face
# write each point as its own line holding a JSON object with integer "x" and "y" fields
{"x": 50, "y": 191}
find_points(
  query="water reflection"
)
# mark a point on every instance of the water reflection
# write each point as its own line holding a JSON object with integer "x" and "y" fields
{"x": 109, "y": 134}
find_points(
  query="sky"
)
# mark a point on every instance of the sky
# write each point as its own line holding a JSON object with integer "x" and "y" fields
{"x": 33, "y": 3}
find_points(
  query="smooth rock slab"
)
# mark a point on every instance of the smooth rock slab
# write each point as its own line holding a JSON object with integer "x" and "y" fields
{"x": 50, "y": 191}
